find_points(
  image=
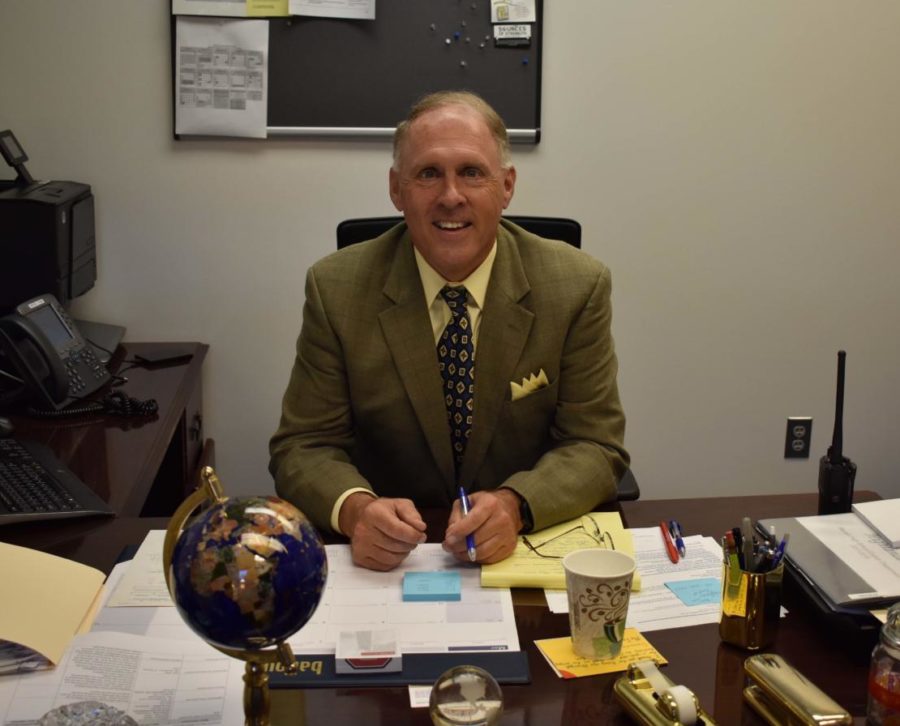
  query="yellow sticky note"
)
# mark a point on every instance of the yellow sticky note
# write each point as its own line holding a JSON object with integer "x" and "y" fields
{"x": 267, "y": 8}
{"x": 567, "y": 664}
{"x": 734, "y": 598}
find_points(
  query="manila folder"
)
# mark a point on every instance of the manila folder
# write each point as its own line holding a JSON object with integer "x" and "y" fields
{"x": 45, "y": 599}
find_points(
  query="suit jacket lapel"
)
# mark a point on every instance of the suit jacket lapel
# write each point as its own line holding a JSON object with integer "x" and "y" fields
{"x": 407, "y": 331}
{"x": 504, "y": 330}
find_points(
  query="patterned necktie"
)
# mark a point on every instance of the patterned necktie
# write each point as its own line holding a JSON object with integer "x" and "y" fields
{"x": 456, "y": 360}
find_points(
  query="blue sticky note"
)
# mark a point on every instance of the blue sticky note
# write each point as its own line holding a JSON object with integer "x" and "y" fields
{"x": 702, "y": 591}
{"x": 431, "y": 586}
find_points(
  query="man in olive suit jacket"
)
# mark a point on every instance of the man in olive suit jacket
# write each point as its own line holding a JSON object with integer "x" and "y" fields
{"x": 365, "y": 437}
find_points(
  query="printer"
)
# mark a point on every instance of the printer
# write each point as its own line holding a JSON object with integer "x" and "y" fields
{"x": 47, "y": 240}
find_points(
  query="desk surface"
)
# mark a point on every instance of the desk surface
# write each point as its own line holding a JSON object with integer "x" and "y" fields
{"x": 120, "y": 458}
{"x": 696, "y": 656}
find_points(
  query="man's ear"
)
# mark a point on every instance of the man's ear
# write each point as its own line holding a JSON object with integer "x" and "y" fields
{"x": 509, "y": 186}
{"x": 394, "y": 189}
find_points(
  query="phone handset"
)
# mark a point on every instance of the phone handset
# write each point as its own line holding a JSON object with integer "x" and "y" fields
{"x": 42, "y": 344}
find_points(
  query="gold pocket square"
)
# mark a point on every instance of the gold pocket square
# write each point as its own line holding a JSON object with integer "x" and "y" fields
{"x": 529, "y": 385}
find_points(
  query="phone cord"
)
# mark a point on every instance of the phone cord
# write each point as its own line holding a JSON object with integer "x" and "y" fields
{"x": 114, "y": 403}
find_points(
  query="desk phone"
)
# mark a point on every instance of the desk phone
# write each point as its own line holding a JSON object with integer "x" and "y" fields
{"x": 41, "y": 346}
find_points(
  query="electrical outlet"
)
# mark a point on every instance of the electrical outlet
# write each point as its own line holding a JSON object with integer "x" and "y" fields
{"x": 798, "y": 437}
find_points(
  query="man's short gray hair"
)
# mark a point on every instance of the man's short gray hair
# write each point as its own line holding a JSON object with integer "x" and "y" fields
{"x": 442, "y": 99}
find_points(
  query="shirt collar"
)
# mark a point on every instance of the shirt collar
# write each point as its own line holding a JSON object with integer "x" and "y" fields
{"x": 476, "y": 283}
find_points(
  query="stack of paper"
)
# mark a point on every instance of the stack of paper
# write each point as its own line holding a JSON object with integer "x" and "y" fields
{"x": 883, "y": 516}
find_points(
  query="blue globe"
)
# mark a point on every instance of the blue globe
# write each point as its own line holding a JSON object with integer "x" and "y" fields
{"x": 248, "y": 572}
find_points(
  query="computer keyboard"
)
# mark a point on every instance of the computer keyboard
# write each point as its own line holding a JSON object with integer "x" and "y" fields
{"x": 35, "y": 485}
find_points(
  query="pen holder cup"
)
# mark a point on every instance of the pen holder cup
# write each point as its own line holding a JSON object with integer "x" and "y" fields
{"x": 751, "y": 606}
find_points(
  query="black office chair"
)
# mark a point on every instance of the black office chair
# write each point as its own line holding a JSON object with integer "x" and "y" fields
{"x": 351, "y": 231}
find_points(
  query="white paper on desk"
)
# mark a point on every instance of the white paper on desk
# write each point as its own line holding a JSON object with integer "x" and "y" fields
{"x": 656, "y": 607}
{"x": 483, "y": 619}
{"x": 349, "y": 9}
{"x": 112, "y": 581}
{"x": 861, "y": 548}
{"x": 222, "y": 76}
{"x": 144, "y": 583}
{"x": 154, "y": 681}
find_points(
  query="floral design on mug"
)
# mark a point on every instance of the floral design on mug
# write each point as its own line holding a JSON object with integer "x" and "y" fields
{"x": 608, "y": 603}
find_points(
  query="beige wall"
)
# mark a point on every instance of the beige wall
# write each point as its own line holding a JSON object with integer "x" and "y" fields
{"x": 736, "y": 164}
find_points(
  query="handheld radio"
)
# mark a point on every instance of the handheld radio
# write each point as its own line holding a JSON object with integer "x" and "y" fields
{"x": 836, "y": 472}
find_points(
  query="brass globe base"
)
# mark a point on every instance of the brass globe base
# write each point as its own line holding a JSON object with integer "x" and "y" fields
{"x": 256, "y": 680}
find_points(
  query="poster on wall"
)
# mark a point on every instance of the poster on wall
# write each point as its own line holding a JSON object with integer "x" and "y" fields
{"x": 221, "y": 75}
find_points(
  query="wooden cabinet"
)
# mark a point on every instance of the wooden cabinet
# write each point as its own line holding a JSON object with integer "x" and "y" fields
{"x": 142, "y": 466}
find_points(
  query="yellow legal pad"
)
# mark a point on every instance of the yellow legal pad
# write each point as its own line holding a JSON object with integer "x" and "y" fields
{"x": 566, "y": 664}
{"x": 524, "y": 568}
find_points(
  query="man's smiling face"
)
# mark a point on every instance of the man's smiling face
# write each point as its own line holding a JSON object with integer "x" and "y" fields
{"x": 451, "y": 186}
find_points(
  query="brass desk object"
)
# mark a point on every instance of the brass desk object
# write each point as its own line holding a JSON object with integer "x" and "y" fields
{"x": 651, "y": 698}
{"x": 782, "y": 695}
{"x": 256, "y": 679}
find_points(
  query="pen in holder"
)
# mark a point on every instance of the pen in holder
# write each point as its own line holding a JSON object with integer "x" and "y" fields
{"x": 751, "y": 605}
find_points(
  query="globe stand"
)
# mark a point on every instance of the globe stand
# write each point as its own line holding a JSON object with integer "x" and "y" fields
{"x": 256, "y": 679}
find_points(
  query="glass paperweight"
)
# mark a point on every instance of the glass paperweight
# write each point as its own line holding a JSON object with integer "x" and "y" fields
{"x": 86, "y": 713}
{"x": 466, "y": 696}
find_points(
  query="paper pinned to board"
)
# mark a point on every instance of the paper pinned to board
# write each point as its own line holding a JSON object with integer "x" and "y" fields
{"x": 518, "y": 11}
{"x": 221, "y": 77}
{"x": 231, "y": 8}
{"x": 347, "y": 9}
{"x": 221, "y": 8}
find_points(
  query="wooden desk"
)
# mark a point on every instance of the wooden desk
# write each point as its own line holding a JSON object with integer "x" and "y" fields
{"x": 696, "y": 656}
{"x": 139, "y": 466}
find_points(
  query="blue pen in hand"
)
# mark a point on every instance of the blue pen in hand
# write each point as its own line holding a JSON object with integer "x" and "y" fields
{"x": 675, "y": 529}
{"x": 470, "y": 538}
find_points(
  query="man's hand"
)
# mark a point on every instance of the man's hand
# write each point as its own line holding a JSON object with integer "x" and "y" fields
{"x": 495, "y": 521}
{"x": 382, "y": 531}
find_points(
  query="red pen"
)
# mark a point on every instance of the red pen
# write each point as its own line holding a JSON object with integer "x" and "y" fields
{"x": 668, "y": 542}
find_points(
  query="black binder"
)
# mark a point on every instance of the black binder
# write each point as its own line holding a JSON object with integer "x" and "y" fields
{"x": 317, "y": 671}
{"x": 825, "y": 582}
{"x": 825, "y": 572}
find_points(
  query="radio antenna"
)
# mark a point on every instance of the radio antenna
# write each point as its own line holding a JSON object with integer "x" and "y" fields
{"x": 837, "y": 473}
{"x": 835, "y": 451}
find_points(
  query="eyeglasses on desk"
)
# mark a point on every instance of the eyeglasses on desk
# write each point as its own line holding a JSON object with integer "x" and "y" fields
{"x": 588, "y": 527}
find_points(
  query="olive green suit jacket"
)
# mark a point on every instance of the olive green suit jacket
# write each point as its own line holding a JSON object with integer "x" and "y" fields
{"x": 364, "y": 406}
